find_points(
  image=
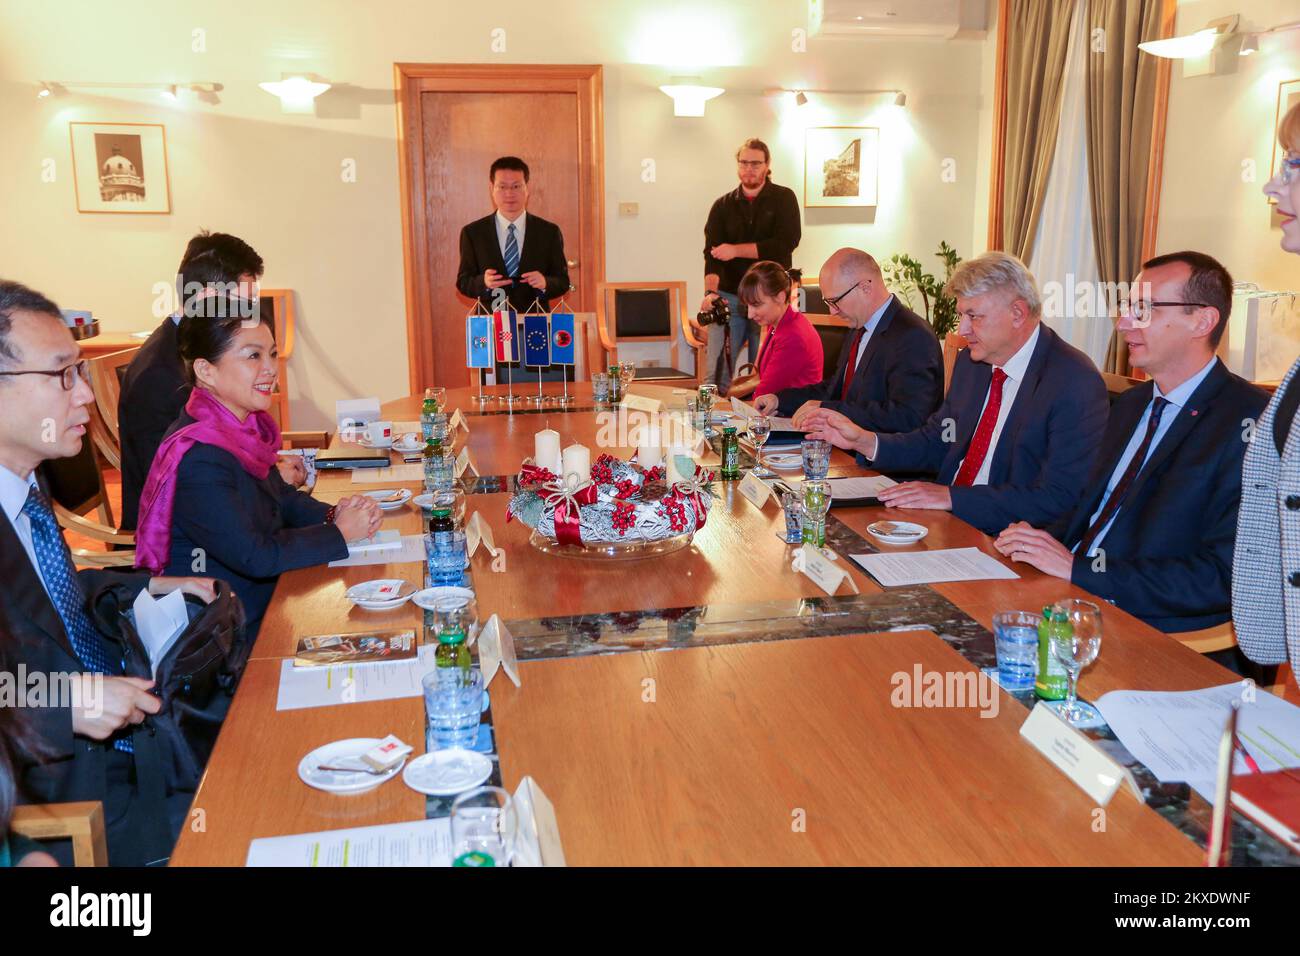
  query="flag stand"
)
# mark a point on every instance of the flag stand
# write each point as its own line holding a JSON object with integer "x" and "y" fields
{"x": 481, "y": 398}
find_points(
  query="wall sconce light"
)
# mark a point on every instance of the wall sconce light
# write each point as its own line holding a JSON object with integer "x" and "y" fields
{"x": 800, "y": 98}
{"x": 297, "y": 92}
{"x": 689, "y": 96}
{"x": 1192, "y": 45}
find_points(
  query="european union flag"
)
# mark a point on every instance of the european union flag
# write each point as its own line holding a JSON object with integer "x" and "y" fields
{"x": 562, "y": 331}
{"x": 478, "y": 341}
{"x": 537, "y": 340}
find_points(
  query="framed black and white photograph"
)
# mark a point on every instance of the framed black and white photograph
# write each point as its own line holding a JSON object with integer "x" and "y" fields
{"x": 840, "y": 165}
{"x": 120, "y": 167}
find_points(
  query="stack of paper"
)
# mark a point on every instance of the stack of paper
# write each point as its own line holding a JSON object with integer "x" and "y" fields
{"x": 933, "y": 567}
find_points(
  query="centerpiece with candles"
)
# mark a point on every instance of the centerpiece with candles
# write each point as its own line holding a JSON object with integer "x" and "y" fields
{"x": 610, "y": 507}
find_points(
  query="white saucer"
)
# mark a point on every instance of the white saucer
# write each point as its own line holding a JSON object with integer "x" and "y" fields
{"x": 413, "y": 445}
{"x": 429, "y": 596}
{"x": 348, "y": 752}
{"x": 905, "y": 532}
{"x": 389, "y": 505}
{"x": 424, "y": 501}
{"x": 783, "y": 462}
{"x": 356, "y": 592}
{"x": 445, "y": 773}
{"x": 373, "y": 447}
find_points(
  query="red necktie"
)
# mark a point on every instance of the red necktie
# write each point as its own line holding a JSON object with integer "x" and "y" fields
{"x": 979, "y": 445}
{"x": 852, "y": 365}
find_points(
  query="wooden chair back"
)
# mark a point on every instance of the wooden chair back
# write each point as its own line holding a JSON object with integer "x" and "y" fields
{"x": 83, "y": 823}
{"x": 106, "y": 373}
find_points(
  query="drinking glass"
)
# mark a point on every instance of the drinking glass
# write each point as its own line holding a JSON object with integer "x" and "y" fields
{"x": 760, "y": 426}
{"x": 699, "y": 416}
{"x": 455, "y": 613}
{"x": 600, "y": 388}
{"x": 484, "y": 825}
{"x": 439, "y": 430}
{"x": 439, "y": 396}
{"x": 453, "y": 703}
{"x": 626, "y": 374}
{"x": 816, "y": 458}
{"x": 792, "y": 506}
{"x": 816, "y": 502}
{"x": 453, "y": 498}
{"x": 1015, "y": 633}
{"x": 1076, "y": 648}
{"x": 440, "y": 471}
{"x": 446, "y": 567}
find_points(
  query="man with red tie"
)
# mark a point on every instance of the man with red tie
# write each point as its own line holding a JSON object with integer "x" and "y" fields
{"x": 1022, "y": 422}
{"x": 889, "y": 377}
{"x": 1154, "y": 531}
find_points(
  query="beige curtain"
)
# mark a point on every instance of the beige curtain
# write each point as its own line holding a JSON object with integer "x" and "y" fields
{"x": 1038, "y": 35}
{"x": 1121, "y": 104}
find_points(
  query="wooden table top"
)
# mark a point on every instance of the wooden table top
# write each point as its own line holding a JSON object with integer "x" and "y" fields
{"x": 735, "y": 743}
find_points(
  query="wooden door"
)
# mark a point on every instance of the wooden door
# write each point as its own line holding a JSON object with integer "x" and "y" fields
{"x": 453, "y": 121}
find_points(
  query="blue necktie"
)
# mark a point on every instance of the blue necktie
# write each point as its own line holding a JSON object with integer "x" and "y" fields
{"x": 65, "y": 590}
{"x": 512, "y": 253}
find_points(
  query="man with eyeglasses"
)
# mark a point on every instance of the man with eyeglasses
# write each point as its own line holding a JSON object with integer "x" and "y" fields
{"x": 889, "y": 377}
{"x": 1019, "y": 429}
{"x": 512, "y": 249}
{"x": 757, "y": 220}
{"x": 1153, "y": 532}
{"x": 45, "y": 621}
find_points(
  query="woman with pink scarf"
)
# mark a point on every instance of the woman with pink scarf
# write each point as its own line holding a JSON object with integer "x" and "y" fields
{"x": 214, "y": 502}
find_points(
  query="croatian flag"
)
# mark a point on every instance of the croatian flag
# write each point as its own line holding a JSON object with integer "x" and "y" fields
{"x": 506, "y": 326}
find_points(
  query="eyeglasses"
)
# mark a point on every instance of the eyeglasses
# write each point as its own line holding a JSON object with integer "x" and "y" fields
{"x": 835, "y": 302}
{"x": 1140, "y": 312}
{"x": 508, "y": 187}
{"x": 751, "y": 163}
{"x": 67, "y": 375}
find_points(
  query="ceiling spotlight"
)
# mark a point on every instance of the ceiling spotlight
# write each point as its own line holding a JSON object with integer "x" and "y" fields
{"x": 900, "y": 98}
{"x": 43, "y": 91}
{"x": 169, "y": 92}
{"x": 1249, "y": 45}
{"x": 800, "y": 98}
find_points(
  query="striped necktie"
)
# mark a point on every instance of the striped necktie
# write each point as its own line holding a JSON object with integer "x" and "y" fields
{"x": 1126, "y": 480}
{"x": 65, "y": 591}
{"x": 512, "y": 253}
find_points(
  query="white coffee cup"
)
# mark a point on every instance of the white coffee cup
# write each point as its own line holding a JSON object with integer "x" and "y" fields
{"x": 379, "y": 434}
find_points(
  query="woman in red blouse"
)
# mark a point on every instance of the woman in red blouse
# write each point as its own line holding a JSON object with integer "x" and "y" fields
{"x": 791, "y": 354}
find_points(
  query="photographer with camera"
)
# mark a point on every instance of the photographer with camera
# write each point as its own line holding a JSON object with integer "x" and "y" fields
{"x": 755, "y": 221}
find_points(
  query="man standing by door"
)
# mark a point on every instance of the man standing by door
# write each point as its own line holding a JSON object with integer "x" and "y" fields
{"x": 757, "y": 220}
{"x": 512, "y": 249}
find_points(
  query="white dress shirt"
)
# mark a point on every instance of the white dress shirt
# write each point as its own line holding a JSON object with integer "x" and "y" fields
{"x": 1176, "y": 398}
{"x": 870, "y": 328}
{"x": 13, "y": 495}
{"x": 1015, "y": 370}
{"x": 503, "y": 226}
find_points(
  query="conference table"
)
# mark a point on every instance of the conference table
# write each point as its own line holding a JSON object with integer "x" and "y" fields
{"x": 713, "y": 706}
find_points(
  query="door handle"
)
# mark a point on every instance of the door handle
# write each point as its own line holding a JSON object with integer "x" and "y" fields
{"x": 572, "y": 263}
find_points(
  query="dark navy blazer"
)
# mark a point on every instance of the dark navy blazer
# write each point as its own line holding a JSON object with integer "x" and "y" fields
{"x": 1045, "y": 451}
{"x": 245, "y": 531}
{"x": 898, "y": 383}
{"x": 1167, "y": 556}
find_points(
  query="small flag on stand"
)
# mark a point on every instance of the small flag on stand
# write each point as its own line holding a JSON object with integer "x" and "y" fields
{"x": 506, "y": 327}
{"x": 562, "y": 331}
{"x": 537, "y": 340}
{"x": 478, "y": 340}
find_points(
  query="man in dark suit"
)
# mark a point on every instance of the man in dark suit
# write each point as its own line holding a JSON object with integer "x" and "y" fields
{"x": 511, "y": 250}
{"x": 154, "y": 390}
{"x": 890, "y": 372}
{"x": 45, "y": 624}
{"x": 1019, "y": 430}
{"x": 1154, "y": 529}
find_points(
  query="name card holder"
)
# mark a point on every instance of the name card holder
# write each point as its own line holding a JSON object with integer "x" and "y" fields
{"x": 478, "y": 531}
{"x": 810, "y": 562}
{"x": 538, "y": 840}
{"x": 755, "y": 490}
{"x": 458, "y": 421}
{"x": 642, "y": 403}
{"x": 1076, "y": 755}
{"x": 463, "y": 462}
{"x": 496, "y": 650}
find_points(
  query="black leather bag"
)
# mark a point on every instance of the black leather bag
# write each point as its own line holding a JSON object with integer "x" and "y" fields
{"x": 195, "y": 679}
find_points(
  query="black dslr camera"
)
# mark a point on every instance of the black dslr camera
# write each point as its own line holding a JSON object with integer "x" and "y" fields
{"x": 717, "y": 314}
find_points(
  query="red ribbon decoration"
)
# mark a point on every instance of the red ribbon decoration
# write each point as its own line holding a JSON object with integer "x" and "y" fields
{"x": 568, "y": 515}
{"x": 690, "y": 491}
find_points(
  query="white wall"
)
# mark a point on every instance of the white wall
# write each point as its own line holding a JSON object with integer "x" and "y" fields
{"x": 1217, "y": 125}
{"x": 244, "y": 167}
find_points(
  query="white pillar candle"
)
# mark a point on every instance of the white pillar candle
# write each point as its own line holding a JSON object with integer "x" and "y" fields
{"x": 674, "y": 475}
{"x": 546, "y": 449}
{"x": 649, "y": 456}
{"x": 575, "y": 464}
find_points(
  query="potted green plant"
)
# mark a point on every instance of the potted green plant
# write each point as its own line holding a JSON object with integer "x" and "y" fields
{"x": 906, "y": 277}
